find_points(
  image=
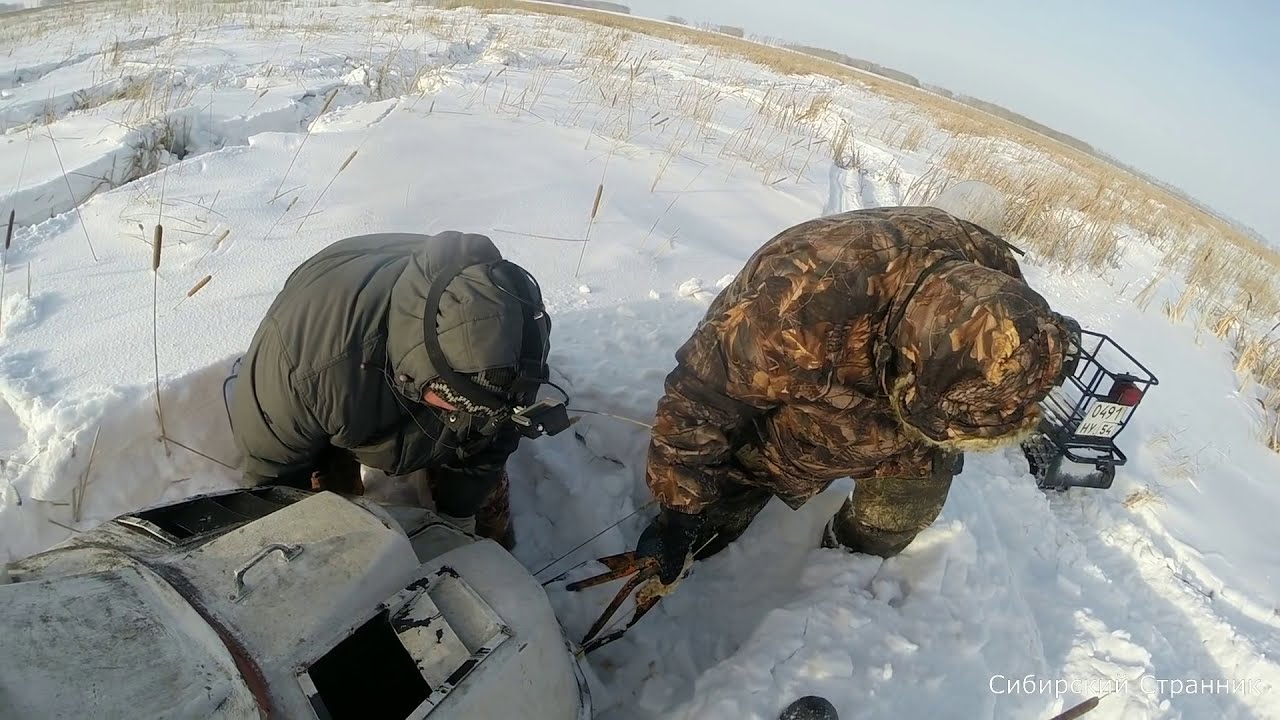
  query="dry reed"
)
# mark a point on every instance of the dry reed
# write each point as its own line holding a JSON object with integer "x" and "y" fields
{"x": 156, "y": 244}
{"x": 71, "y": 193}
{"x": 595, "y": 208}
{"x": 319, "y": 197}
{"x": 199, "y": 285}
{"x": 78, "y": 492}
{"x": 310, "y": 126}
{"x": 1143, "y": 497}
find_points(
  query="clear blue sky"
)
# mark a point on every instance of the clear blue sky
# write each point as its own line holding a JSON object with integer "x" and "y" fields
{"x": 1186, "y": 91}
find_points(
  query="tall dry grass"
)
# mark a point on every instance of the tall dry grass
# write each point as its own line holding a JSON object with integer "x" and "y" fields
{"x": 1272, "y": 433}
{"x": 1066, "y": 207}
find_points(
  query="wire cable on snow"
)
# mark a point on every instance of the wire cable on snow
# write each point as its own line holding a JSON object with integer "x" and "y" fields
{"x": 616, "y": 417}
{"x": 593, "y": 537}
{"x": 613, "y": 525}
{"x": 197, "y": 452}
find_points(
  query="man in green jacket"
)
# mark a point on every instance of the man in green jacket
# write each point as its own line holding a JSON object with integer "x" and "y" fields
{"x": 405, "y": 353}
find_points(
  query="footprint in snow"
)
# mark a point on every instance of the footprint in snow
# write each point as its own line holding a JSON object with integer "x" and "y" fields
{"x": 20, "y": 312}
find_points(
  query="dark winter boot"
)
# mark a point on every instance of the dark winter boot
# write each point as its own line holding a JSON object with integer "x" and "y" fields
{"x": 493, "y": 519}
{"x": 810, "y": 707}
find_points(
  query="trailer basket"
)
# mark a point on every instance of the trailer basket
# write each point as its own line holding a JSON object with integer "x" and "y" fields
{"x": 1101, "y": 390}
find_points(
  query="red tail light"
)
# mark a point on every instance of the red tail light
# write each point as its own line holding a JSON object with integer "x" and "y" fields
{"x": 1125, "y": 392}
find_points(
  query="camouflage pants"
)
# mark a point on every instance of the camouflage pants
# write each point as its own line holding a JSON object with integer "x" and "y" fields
{"x": 493, "y": 518}
{"x": 883, "y": 515}
{"x": 880, "y": 517}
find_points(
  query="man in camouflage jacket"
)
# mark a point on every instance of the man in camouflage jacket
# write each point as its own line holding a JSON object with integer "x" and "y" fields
{"x": 875, "y": 344}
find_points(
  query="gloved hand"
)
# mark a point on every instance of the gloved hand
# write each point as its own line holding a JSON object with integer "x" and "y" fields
{"x": 343, "y": 484}
{"x": 337, "y": 470}
{"x": 669, "y": 539}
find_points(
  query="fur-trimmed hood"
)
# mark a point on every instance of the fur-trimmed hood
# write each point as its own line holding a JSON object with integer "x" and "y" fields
{"x": 975, "y": 353}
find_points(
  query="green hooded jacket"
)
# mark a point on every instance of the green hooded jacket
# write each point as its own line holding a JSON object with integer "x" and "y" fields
{"x": 339, "y": 360}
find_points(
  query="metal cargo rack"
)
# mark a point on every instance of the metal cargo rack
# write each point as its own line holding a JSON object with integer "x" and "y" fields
{"x": 1083, "y": 416}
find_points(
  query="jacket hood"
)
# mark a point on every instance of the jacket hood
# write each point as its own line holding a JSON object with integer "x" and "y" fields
{"x": 479, "y": 324}
{"x": 977, "y": 350}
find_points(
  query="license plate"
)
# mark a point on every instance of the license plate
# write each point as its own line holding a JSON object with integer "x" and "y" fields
{"x": 1104, "y": 419}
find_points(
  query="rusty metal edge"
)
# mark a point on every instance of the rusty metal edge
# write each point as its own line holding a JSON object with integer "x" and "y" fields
{"x": 250, "y": 671}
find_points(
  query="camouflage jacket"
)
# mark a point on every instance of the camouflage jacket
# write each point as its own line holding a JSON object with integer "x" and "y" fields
{"x": 864, "y": 344}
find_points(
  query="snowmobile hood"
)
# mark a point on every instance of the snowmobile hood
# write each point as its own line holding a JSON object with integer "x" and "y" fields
{"x": 113, "y": 641}
{"x": 977, "y": 350}
{"x": 479, "y": 324}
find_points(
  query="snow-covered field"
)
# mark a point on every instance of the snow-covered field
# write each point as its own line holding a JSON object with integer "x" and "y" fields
{"x": 256, "y": 139}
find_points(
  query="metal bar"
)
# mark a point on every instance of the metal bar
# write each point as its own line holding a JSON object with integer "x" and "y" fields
{"x": 1134, "y": 360}
{"x": 288, "y": 551}
{"x": 147, "y": 527}
{"x": 1107, "y": 340}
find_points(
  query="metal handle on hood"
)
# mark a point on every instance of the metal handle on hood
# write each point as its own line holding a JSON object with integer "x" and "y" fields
{"x": 289, "y": 552}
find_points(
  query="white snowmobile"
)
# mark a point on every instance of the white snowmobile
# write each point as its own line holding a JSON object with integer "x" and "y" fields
{"x": 273, "y": 602}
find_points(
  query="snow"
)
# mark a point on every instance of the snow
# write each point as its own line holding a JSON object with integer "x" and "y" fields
{"x": 510, "y": 125}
